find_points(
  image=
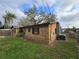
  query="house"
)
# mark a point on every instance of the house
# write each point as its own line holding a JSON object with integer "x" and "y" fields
{"x": 42, "y": 33}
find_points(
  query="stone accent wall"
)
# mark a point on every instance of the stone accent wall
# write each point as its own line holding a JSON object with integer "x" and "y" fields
{"x": 52, "y": 34}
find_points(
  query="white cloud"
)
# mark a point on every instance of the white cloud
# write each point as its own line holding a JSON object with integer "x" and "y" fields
{"x": 12, "y": 6}
{"x": 67, "y": 10}
{"x": 68, "y": 13}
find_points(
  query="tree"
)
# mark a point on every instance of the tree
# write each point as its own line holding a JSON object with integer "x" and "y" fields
{"x": 74, "y": 29}
{"x": 24, "y": 22}
{"x": 48, "y": 18}
{"x": 42, "y": 17}
{"x": 8, "y": 18}
{"x": 31, "y": 15}
{"x": 34, "y": 18}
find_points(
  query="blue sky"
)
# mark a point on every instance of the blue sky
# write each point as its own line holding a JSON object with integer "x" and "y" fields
{"x": 67, "y": 11}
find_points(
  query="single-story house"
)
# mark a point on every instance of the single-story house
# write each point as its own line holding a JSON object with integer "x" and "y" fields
{"x": 43, "y": 33}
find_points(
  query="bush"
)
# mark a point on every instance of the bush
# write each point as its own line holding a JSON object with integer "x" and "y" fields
{"x": 20, "y": 34}
{"x": 77, "y": 38}
{"x": 61, "y": 37}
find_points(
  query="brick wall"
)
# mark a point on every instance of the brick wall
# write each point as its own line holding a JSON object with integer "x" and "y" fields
{"x": 46, "y": 34}
{"x": 42, "y": 37}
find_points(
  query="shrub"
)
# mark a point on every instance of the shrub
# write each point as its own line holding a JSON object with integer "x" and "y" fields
{"x": 21, "y": 34}
{"x": 61, "y": 37}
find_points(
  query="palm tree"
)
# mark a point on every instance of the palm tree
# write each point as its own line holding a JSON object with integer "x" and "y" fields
{"x": 8, "y": 18}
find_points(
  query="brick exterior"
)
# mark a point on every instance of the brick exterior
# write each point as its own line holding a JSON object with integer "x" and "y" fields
{"x": 42, "y": 37}
{"x": 46, "y": 34}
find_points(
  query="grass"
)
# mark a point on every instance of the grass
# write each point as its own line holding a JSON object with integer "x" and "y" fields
{"x": 17, "y": 48}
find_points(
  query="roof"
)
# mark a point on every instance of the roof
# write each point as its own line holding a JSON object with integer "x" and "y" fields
{"x": 39, "y": 25}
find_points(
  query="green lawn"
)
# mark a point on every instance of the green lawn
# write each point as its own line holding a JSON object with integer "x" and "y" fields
{"x": 17, "y": 48}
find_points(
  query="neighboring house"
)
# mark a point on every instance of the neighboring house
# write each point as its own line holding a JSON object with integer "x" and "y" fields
{"x": 43, "y": 33}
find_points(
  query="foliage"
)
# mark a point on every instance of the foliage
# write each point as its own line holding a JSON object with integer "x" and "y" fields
{"x": 48, "y": 18}
{"x": 74, "y": 29}
{"x": 31, "y": 15}
{"x": 20, "y": 34}
{"x": 8, "y": 18}
{"x": 36, "y": 18}
{"x": 24, "y": 22}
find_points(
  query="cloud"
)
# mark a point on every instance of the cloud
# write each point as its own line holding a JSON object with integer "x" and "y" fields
{"x": 12, "y": 6}
{"x": 67, "y": 11}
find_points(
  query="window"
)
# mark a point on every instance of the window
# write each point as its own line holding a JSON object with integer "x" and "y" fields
{"x": 21, "y": 30}
{"x": 28, "y": 29}
{"x": 35, "y": 30}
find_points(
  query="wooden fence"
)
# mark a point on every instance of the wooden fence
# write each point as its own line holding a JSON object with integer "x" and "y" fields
{"x": 5, "y": 32}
